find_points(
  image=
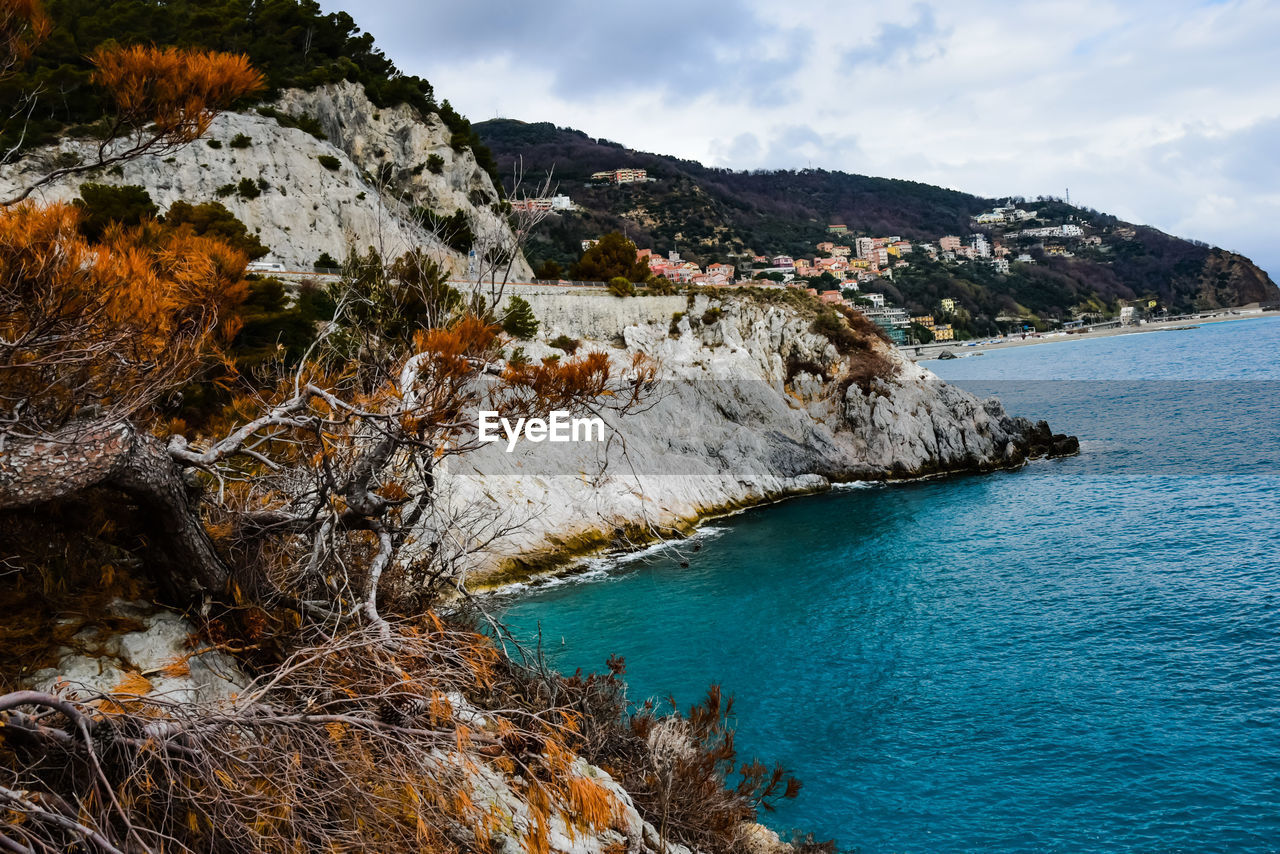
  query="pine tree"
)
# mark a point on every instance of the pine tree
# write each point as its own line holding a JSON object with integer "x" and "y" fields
{"x": 519, "y": 320}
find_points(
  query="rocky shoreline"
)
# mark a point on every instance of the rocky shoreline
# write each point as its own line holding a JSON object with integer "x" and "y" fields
{"x": 750, "y": 408}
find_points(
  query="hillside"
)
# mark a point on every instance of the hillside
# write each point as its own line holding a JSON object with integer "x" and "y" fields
{"x": 720, "y": 215}
{"x": 292, "y": 42}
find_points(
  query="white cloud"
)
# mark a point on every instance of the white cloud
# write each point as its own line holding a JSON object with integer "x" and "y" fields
{"x": 1161, "y": 112}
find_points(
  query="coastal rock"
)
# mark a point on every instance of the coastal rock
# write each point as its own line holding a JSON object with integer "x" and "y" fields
{"x": 750, "y": 407}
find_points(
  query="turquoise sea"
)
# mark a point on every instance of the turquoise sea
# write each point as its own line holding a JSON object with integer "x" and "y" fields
{"x": 1083, "y": 655}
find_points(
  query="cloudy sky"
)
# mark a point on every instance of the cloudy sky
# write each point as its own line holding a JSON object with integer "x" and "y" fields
{"x": 1165, "y": 113}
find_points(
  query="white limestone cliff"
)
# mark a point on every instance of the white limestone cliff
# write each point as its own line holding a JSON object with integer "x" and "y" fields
{"x": 750, "y": 407}
{"x": 306, "y": 208}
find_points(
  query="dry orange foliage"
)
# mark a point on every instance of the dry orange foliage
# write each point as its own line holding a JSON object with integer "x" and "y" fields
{"x": 178, "y": 90}
{"x": 115, "y": 324}
{"x": 132, "y": 683}
{"x": 23, "y": 25}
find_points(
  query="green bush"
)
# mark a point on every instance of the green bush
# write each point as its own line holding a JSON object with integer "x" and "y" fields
{"x": 225, "y": 190}
{"x": 329, "y": 162}
{"x": 101, "y": 205}
{"x": 549, "y": 270}
{"x": 214, "y": 143}
{"x": 212, "y": 218}
{"x": 621, "y": 286}
{"x": 454, "y": 230}
{"x": 248, "y": 189}
{"x": 240, "y": 141}
{"x": 519, "y": 320}
{"x": 674, "y": 329}
{"x": 565, "y": 343}
{"x": 614, "y": 255}
{"x": 435, "y": 163}
{"x": 327, "y": 262}
{"x": 712, "y": 315}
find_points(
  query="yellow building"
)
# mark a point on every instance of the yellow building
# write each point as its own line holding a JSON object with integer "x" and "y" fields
{"x": 943, "y": 333}
{"x": 949, "y": 306}
{"x": 925, "y": 320}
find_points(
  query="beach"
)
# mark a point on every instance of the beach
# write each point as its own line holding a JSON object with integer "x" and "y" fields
{"x": 925, "y": 352}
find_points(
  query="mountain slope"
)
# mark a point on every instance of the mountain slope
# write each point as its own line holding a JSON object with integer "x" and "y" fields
{"x": 303, "y": 195}
{"x": 719, "y": 215}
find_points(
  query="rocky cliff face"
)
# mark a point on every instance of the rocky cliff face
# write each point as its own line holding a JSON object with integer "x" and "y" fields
{"x": 1228, "y": 279}
{"x": 751, "y": 405}
{"x": 314, "y": 195}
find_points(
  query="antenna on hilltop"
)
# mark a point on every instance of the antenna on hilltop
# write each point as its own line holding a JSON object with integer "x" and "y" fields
{"x": 1068, "y": 195}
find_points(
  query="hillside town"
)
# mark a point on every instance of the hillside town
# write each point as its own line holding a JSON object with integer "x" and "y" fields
{"x": 845, "y": 268}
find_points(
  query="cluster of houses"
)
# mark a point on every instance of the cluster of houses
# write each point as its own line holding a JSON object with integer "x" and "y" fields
{"x": 869, "y": 258}
{"x": 557, "y": 203}
{"x": 1009, "y": 215}
{"x": 861, "y": 260}
{"x": 675, "y": 269}
{"x": 1004, "y": 215}
{"x": 620, "y": 176}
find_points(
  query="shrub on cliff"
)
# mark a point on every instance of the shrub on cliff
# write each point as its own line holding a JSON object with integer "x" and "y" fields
{"x": 565, "y": 343}
{"x": 102, "y": 205}
{"x": 620, "y": 286}
{"x": 519, "y": 320}
{"x": 213, "y": 219}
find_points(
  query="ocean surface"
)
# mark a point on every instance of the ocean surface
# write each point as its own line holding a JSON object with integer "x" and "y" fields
{"x": 1083, "y": 655}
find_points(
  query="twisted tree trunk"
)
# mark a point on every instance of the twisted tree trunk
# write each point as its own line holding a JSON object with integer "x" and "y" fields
{"x": 121, "y": 457}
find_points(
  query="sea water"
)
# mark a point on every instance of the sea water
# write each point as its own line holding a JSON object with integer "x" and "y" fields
{"x": 1083, "y": 655}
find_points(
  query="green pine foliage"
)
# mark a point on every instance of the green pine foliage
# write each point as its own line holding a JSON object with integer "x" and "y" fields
{"x": 519, "y": 321}
{"x": 101, "y": 205}
{"x": 614, "y": 256}
{"x": 213, "y": 218}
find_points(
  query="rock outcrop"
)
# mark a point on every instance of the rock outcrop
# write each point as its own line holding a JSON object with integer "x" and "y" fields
{"x": 313, "y": 195}
{"x": 751, "y": 405}
{"x": 162, "y": 658}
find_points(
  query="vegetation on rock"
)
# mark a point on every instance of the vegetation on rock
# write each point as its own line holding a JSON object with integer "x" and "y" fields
{"x": 518, "y": 320}
{"x": 293, "y": 42}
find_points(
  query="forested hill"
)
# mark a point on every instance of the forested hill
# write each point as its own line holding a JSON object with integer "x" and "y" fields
{"x": 716, "y": 215}
{"x": 761, "y": 210}
{"x": 292, "y": 42}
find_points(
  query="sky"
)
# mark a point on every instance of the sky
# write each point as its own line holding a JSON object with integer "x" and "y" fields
{"x": 1165, "y": 113}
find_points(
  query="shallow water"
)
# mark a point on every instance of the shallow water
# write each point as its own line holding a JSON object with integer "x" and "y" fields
{"x": 1081, "y": 655}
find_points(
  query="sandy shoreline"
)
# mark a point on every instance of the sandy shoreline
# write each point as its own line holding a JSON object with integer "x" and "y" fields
{"x": 930, "y": 352}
